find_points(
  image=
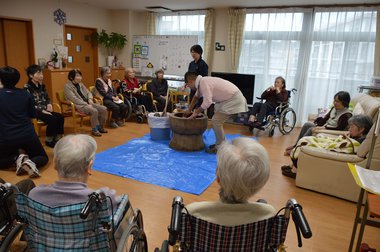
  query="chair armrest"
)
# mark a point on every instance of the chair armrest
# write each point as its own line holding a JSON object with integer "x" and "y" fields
{"x": 121, "y": 97}
{"x": 331, "y": 155}
{"x": 58, "y": 107}
{"x": 98, "y": 99}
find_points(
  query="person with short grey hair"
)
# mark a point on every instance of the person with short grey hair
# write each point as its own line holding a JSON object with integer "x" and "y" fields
{"x": 243, "y": 169}
{"x": 111, "y": 100}
{"x": 73, "y": 159}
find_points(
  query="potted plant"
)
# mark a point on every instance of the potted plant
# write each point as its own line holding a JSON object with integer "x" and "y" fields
{"x": 111, "y": 42}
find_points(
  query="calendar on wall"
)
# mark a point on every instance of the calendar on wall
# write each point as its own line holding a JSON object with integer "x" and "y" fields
{"x": 168, "y": 52}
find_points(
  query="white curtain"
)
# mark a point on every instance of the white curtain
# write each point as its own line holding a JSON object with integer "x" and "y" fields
{"x": 318, "y": 51}
{"x": 182, "y": 23}
{"x": 235, "y": 35}
{"x": 209, "y": 37}
{"x": 151, "y": 23}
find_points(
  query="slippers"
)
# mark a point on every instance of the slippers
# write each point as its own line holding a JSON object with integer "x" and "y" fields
{"x": 289, "y": 173}
{"x": 286, "y": 167}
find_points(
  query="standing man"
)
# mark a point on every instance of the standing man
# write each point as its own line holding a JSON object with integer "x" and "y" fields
{"x": 227, "y": 97}
{"x": 198, "y": 66}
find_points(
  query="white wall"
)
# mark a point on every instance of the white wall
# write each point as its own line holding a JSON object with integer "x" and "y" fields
{"x": 221, "y": 59}
{"x": 45, "y": 30}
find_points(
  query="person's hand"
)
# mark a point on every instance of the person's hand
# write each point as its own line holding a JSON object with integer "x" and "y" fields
{"x": 90, "y": 101}
{"x": 193, "y": 115}
{"x": 163, "y": 96}
{"x": 46, "y": 112}
{"x": 115, "y": 98}
{"x": 186, "y": 113}
{"x": 49, "y": 108}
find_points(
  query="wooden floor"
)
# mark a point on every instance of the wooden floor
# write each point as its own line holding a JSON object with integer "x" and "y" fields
{"x": 331, "y": 219}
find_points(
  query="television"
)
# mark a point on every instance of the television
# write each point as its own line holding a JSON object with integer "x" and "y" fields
{"x": 245, "y": 82}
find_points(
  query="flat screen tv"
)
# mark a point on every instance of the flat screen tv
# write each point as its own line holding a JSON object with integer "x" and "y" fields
{"x": 245, "y": 82}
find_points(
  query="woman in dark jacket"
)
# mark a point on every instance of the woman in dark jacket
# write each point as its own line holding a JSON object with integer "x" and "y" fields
{"x": 273, "y": 96}
{"x": 159, "y": 88}
{"x": 44, "y": 109}
{"x": 18, "y": 141}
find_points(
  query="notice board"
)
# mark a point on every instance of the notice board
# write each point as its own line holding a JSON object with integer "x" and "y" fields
{"x": 169, "y": 52}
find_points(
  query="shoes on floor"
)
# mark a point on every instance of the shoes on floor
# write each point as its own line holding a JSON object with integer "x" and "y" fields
{"x": 102, "y": 130}
{"x": 258, "y": 125}
{"x": 289, "y": 173}
{"x": 30, "y": 167}
{"x": 20, "y": 159}
{"x": 212, "y": 149}
{"x": 96, "y": 133}
{"x": 113, "y": 125}
{"x": 120, "y": 123}
{"x": 286, "y": 167}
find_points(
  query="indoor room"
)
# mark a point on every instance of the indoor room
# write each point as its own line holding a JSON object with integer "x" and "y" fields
{"x": 320, "y": 60}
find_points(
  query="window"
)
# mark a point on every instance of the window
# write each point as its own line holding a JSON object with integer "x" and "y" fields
{"x": 182, "y": 23}
{"x": 318, "y": 51}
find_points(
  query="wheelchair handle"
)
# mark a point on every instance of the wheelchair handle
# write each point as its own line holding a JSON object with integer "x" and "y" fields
{"x": 299, "y": 218}
{"x": 175, "y": 222}
{"x": 95, "y": 198}
{"x": 6, "y": 190}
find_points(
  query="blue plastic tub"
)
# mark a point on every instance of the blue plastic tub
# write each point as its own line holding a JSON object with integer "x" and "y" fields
{"x": 157, "y": 134}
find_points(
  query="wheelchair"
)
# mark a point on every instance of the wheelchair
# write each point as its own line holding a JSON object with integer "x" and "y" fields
{"x": 88, "y": 226}
{"x": 134, "y": 108}
{"x": 9, "y": 228}
{"x": 188, "y": 233}
{"x": 283, "y": 117}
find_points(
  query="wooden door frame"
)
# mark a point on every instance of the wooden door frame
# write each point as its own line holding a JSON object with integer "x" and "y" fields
{"x": 29, "y": 23}
{"x": 95, "y": 49}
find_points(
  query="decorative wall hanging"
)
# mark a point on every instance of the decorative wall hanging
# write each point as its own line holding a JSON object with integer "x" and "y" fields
{"x": 60, "y": 17}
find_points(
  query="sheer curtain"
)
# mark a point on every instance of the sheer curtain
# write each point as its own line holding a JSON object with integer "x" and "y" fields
{"x": 318, "y": 51}
{"x": 182, "y": 23}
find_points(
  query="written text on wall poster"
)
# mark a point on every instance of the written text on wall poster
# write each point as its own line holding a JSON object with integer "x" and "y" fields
{"x": 171, "y": 53}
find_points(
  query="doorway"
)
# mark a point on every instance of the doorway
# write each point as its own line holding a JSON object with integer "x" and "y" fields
{"x": 16, "y": 46}
{"x": 82, "y": 54}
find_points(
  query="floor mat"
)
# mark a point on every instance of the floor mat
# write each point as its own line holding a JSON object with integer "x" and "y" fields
{"x": 156, "y": 163}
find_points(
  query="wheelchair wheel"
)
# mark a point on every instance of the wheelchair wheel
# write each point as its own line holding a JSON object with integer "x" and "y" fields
{"x": 133, "y": 240}
{"x": 140, "y": 119}
{"x": 129, "y": 109}
{"x": 287, "y": 121}
{"x": 10, "y": 236}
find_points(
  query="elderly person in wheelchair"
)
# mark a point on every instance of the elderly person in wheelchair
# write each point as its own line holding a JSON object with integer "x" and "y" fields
{"x": 243, "y": 169}
{"x": 73, "y": 159}
{"x": 234, "y": 223}
{"x": 87, "y": 220}
{"x": 273, "y": 96}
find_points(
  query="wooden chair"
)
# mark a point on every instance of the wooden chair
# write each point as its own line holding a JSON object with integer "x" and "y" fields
{"x": 68, "y": 110}
{"x": 39, "y": 124}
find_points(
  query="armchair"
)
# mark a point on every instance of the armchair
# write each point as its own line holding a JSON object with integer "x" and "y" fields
{"x": 327, "y": 172}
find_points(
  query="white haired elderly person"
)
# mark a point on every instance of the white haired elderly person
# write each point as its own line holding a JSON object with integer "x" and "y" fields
{"x": 73, "y": 159}
{"x": 243, "y": 169}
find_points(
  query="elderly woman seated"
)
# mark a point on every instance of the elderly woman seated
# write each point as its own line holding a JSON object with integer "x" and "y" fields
{"x": 243, "y": 169}
{"x": 359, "y": 126}
{"x": 73, "y": 159}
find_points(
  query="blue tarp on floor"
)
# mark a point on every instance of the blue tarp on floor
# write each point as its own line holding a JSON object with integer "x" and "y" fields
{"x": 156, "y": 163}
